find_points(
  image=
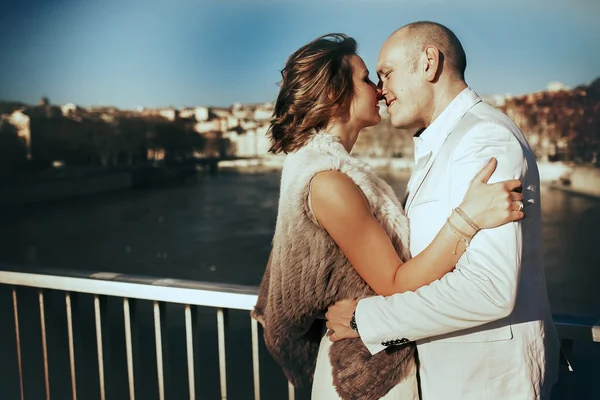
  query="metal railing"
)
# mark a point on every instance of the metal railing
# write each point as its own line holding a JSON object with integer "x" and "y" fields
{"x": 189, "y": 293}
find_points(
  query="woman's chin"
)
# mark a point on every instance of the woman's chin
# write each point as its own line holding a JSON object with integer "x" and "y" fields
{"x": 369, "y": 123}
{"x": 376, "y": 120}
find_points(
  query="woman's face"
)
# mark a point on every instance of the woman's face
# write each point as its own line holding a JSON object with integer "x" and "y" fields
{"x": 364, "y": 108}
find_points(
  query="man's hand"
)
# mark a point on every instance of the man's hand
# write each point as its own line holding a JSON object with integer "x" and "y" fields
{"x": 338, "y": 320}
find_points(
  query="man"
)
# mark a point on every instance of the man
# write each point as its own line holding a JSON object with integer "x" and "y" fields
{"x": 484, "y": 331}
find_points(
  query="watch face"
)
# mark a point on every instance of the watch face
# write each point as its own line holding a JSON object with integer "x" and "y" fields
{"x": 353, "y": 325}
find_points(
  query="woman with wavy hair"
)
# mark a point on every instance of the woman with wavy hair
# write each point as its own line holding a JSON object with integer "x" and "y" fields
{"x": 319, "y": 253}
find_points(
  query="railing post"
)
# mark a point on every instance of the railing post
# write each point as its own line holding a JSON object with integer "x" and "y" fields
{"x": 129, "y": 314}
{"x": 168, "y": 360}
{"x": 197, "y": 349}
{"x": 221, "y": 322}
{"x": 44, "y": 342}
{"x": 18, "y": 342}
{"x": 189, "y": 340}
{"x": 158, "y": 324}
{"x": 102, "y": 342}
{"x": 255, "y": 358}
{"x": 69, "y": 312}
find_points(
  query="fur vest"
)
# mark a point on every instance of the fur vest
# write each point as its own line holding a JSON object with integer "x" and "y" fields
{"x": 308, "y": 272}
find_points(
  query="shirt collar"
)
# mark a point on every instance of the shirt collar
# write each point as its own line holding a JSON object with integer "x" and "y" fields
{"x": 432, "y": 138}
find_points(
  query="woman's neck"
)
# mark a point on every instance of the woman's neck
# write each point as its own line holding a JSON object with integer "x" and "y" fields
{"x": 347, "y": 134}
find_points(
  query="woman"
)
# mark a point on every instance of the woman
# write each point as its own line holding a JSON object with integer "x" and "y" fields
{"x": 326, "y": 99}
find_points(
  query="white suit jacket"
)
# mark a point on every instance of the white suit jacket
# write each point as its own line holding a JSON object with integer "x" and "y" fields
{"x": 484, "y": 331}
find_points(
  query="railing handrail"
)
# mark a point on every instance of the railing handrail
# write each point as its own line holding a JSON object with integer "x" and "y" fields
{"x": 184, "y": 291}
{"x": 179, "y": 291}
{"x": 578, "y": 326}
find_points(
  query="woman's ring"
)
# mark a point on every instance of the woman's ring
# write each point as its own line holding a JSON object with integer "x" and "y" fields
{"x": 520, "y": 203}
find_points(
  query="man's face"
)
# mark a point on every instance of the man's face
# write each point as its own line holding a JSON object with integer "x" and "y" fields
{"x": 403, "y": 85}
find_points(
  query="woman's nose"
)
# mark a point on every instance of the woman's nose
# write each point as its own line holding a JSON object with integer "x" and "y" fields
{"x": 379, "y": 93}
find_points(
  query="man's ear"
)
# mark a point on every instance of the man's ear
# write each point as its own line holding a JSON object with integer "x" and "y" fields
{"x": 431, "y": 63}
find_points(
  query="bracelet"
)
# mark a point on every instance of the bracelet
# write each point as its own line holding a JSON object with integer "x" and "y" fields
{"x": 458, "y": 230}
{"x": 463, "y": 237}
{"x": 468, "y": 220}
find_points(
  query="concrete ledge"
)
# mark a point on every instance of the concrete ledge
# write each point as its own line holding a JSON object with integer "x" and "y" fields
{"x": 575, "y": 192}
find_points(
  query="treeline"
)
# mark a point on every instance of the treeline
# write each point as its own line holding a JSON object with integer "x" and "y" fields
{"x": 104, "y": 140}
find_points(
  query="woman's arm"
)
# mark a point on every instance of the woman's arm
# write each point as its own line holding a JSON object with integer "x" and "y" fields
{"x": 341, "y": 209}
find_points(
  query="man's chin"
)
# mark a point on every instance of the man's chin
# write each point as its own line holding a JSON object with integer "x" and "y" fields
{"x": 402, "y": 124}
{"x": 398, "y": 124}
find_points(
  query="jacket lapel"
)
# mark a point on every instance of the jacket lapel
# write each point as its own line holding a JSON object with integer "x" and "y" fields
{"x": 420, "y": 174}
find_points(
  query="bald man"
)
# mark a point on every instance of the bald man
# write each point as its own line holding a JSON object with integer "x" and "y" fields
{"x": 485, "y": 330}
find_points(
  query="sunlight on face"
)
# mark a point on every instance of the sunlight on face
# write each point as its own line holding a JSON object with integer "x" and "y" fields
{"x": 402, "y": 84}
{"x": 364, "y": 109}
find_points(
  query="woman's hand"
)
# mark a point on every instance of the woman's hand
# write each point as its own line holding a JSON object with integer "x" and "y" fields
{"x": 492, "y": 205}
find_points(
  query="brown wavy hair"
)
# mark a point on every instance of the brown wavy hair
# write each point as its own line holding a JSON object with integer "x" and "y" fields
{"x": 316, "y": 87}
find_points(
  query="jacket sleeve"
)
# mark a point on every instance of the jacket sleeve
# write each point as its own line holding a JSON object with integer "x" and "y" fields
{"x": 483, "y": 286}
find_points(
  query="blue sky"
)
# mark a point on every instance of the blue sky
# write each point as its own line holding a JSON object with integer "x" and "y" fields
{"x": 153, "y": 53}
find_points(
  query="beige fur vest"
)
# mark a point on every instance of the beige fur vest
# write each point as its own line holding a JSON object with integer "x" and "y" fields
{"x": 308, "y": 272}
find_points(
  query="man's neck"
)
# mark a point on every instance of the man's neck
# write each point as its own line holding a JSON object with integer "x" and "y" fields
{"x": 444, "y": 98}
{"x": 418, "y": 133}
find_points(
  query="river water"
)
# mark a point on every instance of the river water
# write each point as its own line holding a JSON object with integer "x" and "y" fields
{"x": 218, "y": 228}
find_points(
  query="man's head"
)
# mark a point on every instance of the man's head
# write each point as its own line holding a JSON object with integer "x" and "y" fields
{"x": 418, "y": 65}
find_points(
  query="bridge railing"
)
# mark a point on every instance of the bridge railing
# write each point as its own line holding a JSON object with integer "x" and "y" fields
{"x": 222, "y": 297}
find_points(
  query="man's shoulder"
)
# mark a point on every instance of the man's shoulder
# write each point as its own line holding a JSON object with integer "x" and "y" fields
{"x": 485, "y": 129}
{"x": 482, "y": 126}
{"x": 487, "y": 114}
